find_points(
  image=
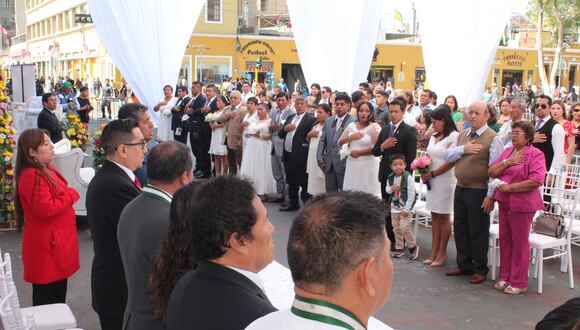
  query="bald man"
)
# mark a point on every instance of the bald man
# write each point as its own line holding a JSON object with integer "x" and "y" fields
{"x": 475, "y": 150}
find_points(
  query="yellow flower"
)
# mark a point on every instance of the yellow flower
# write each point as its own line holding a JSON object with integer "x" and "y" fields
{"x": 71, "y": 132}
{"x": 74, "y": 143}
{"x": 1, "y": 141}
{"x": 9, "y": 172}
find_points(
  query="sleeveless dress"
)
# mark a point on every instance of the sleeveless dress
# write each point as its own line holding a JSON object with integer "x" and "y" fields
{"x": 249, "y": 118}
{"x": 316, "y": 182}
{"x": 217, "y": 136}
{"x": 361, "y": 173}
{"x": 257, "y": 164}
{"x": 440, "y": 197}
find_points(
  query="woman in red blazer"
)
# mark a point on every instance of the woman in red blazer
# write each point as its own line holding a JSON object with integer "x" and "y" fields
{"x": 44, "y": 210}
{"x": 523, "y": 169}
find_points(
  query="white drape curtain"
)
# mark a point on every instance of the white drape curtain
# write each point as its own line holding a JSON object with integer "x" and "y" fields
{"x": 459, "y": 40}
{"x": 335, "y": 40}
{"x": 146, "y": 40}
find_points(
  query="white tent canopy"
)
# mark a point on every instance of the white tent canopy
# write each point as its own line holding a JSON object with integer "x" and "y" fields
{"x": 146, "y": 39}
{"x": 459, "y": 40}
{"x": 335, "y": 40}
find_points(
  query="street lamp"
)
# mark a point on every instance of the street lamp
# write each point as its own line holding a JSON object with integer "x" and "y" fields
{"x": 200, "y": 48}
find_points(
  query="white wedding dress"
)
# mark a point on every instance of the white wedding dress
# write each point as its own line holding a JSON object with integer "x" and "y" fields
{"x": 165, "y": 133}
{"x": 440, "y": 197}
{"x": 256, "y": 158}
{"x": 217, "y": 136}
{"x": 316, "y": 182}
{"x": 362, "y": 173}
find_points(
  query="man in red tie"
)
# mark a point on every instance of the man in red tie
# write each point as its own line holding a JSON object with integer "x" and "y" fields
{"x": 113, "y": 187}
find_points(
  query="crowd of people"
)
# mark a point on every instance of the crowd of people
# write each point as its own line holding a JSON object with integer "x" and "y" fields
{"x": 349, "y": 159}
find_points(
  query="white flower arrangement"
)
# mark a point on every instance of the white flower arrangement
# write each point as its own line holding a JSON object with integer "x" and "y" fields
{"x": 211, "y": 117}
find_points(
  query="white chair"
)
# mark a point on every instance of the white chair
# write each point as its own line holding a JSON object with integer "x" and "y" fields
{"x": 493, "y": 250}
{"x": 44, "y": 317}
{"x": 69, "y": 164}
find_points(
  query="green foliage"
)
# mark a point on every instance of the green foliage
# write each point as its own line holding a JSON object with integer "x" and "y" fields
{"x": 570, "y": 12}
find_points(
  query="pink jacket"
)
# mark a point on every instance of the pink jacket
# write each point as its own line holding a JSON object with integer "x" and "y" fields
{"x": 534, "y": 168}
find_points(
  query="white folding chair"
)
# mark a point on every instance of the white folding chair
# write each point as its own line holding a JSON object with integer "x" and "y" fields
{"x": 44, "y": 317}
{"x": 493, "y": 250}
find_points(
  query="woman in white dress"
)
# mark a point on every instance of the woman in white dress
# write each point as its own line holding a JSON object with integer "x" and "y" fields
{"x": 250, "y": 116}
{"x": 218, "y": 131}
{"x": 164, "y": 108}
{"x": 316, "y": 181}
{"x": 442, "y": 180}
{"x": 362, "y": 168}
{"x": 257, "y": 164}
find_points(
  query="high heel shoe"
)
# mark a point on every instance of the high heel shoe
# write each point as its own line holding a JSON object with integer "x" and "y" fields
{"x": 427, "y": 261}
{"x": 437, "y": 263}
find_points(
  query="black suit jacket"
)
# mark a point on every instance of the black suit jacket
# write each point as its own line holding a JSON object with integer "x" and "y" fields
{"x": 215, "y": 297}
{"x": 299, "y": 154}
{"x": 109, "y": 192}
{"x": 176, "y": 115}
{"x": 406, "y": 145}
{"x": 197, "y": 116}
{"x": 48, "y": 121}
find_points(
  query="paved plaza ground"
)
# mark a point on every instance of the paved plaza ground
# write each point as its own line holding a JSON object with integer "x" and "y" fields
{"x": 422, "y": 297}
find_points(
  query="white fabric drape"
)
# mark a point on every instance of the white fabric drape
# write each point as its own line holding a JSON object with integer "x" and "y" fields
{"x": 146, "y": 40}
{"x": 459, "y": 40}
{"x": 335, "y": 40}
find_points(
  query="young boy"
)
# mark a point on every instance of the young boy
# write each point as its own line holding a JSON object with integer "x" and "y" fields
{"x": 401, "y": 187}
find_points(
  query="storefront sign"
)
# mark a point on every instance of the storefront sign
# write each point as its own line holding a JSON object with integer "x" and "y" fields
{"x": 514, "y": 60}
{"x": 258, "y": 48}
{"x": 266, "y": 66}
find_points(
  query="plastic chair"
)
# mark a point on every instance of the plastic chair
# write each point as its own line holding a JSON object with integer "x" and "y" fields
{"x": 69, "y": 164}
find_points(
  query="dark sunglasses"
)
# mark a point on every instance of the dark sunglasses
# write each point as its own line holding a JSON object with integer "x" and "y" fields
{"x": 576, "y": 110}
{"x": 543, "y": 106}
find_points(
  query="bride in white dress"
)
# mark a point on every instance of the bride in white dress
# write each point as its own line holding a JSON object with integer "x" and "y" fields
{"x": 316, "y": 180}
{"x": 362, "y": 168}
{"x": 164, "y": 108}
{"x": 250, "y": 116}
{"x": 442, "y": 181}
{"x": 218, "y": 132}
{"x": 257, "y": 164}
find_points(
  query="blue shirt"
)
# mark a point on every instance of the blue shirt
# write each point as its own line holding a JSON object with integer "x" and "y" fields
{"x": 65, "y": 99}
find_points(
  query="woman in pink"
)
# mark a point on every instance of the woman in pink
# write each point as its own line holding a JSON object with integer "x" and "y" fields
{"x": 522, "y": 170}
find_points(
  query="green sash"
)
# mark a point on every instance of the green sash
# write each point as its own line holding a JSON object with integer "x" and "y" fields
{"x": 325, "y": 312}
{"x": 157, "y": 193}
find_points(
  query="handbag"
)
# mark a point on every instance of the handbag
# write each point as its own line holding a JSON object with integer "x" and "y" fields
{"x": 550, "y": 222}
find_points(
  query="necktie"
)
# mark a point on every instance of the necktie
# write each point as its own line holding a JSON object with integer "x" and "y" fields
{"x": 392, "y": 129}
{"x": 472, "y": 135}
{"x": 538, "y": 124}
{"x": 338, "y": 123}
{"x": 138, "y": 183}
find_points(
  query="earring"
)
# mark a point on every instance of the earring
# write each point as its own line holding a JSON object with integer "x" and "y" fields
{"x": 35, "y": 160}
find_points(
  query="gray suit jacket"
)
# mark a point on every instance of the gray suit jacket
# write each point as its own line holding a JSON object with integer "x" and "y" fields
{"x": 278, "y": 116}
{"x": 143, "y": 225}
{"x": 328, "y": 148}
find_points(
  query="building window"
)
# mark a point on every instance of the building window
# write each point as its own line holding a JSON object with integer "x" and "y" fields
{"x": 212, "y": 69}
{"x": 213, "y": 11}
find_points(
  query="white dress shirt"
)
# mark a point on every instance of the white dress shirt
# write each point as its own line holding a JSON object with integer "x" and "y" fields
{"x": 290, "y": 135}
{"x": 558, "y": 139}
{"x": 254, "y": 277}
{"x": 126, "y": 170}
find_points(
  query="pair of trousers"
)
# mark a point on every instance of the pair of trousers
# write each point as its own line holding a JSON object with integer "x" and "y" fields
{"x": 181, "y": 137}
{"x": 297, "y": 178}
{"x": 388, "y": 220}
{"x": 195, "y": 147}
{"x": 50, "y": 293}
{"x": 279, "y": 175}
{"x": 234, "y": 159}
{"x": 403, "y": 232}
{"x": 471, "y": 229}
{"x": 106, "y": 104}
{"x": 110, "y": 323}
{"x": 333, "y": 180}
{"x": 514, "y": 245}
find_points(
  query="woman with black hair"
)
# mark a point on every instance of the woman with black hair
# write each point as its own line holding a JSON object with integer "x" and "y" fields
{"x": 457, "y": 116}
{"x": 442, "y": 181}
{"x": 314, "y": 98}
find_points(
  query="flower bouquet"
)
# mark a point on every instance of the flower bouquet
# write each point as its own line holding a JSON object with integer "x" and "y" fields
{"x": 7, "y": 145}
{"x": 76, "y": 131}
{"x": 98, "y": 151}
{"x": 211, "y": 117}
{"x": 421, "y": 164}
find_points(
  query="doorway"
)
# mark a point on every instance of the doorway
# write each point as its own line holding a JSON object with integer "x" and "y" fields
{"x": 291, "y": 73}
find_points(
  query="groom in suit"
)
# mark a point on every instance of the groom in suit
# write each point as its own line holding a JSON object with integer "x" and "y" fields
{"x": 47, "y": 119}
{"x": 328, "y": 149}
{"x": 195, "y": 122}
{"x": 396, "y": 138}
{"x": 295, "y": 153}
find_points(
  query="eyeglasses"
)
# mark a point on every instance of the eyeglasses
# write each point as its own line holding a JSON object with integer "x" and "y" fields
{"x": 516, "y": 133}
{"x": 142, "y": 143}
{"x": 543, "y": 106}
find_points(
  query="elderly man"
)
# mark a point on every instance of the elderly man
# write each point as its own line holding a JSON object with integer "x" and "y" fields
{"x": 140, "y": 114}
{"x": 231, "y": 239}
{"x": 232, "y": 118}
{"x": 48, "y": 120}
{"x": 112, "y": 188}
{"x": 338, "y": 253}
{"x": 517, "y": 108}
{"x": 475, "y": 150}
{"x": 144, "y": 224}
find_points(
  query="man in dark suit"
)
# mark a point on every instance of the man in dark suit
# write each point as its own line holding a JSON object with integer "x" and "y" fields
{"x": 395, "y": 138}
{"x": 195, "y": 122}
{"x": 178, "y": 125}
{"x": 112, "y": 188}
{"x": 210, "y": 106}
{"x": 231, "y": 237}
{"x": 295, "y": 154}
{"x": 143, "y": 225}
{"x": 140, "y": 113}
{"x": 47, "y": 119}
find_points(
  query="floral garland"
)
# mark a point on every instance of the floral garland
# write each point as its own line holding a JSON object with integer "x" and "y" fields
{"x": 98, "y": 151}
{"x": 76, "y": 131}
{"x": 7, "y": 144}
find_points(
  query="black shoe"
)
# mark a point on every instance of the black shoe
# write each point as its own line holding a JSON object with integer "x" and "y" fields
{"x": 275, "y": 199}
{"x": 290, "y": 208}
{"x": 202, "y": 175}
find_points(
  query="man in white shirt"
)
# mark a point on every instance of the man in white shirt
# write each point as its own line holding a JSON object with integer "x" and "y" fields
{"x": 517, "y": 108}
{"x": 550, "y": 135}
{"x": 231, "y": 239}
{"x": 425, "y": 104}
{"x": 246, "y": 92}
{"x": 338, "y": 253}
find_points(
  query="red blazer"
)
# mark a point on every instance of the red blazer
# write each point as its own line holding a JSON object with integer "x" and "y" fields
{"x": 50, "y": 249}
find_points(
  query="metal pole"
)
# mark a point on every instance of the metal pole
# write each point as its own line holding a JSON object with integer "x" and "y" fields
{"x": 83, "y": 69}
{"x": 414, "y": 21}
{"x": 201, "y": 65}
